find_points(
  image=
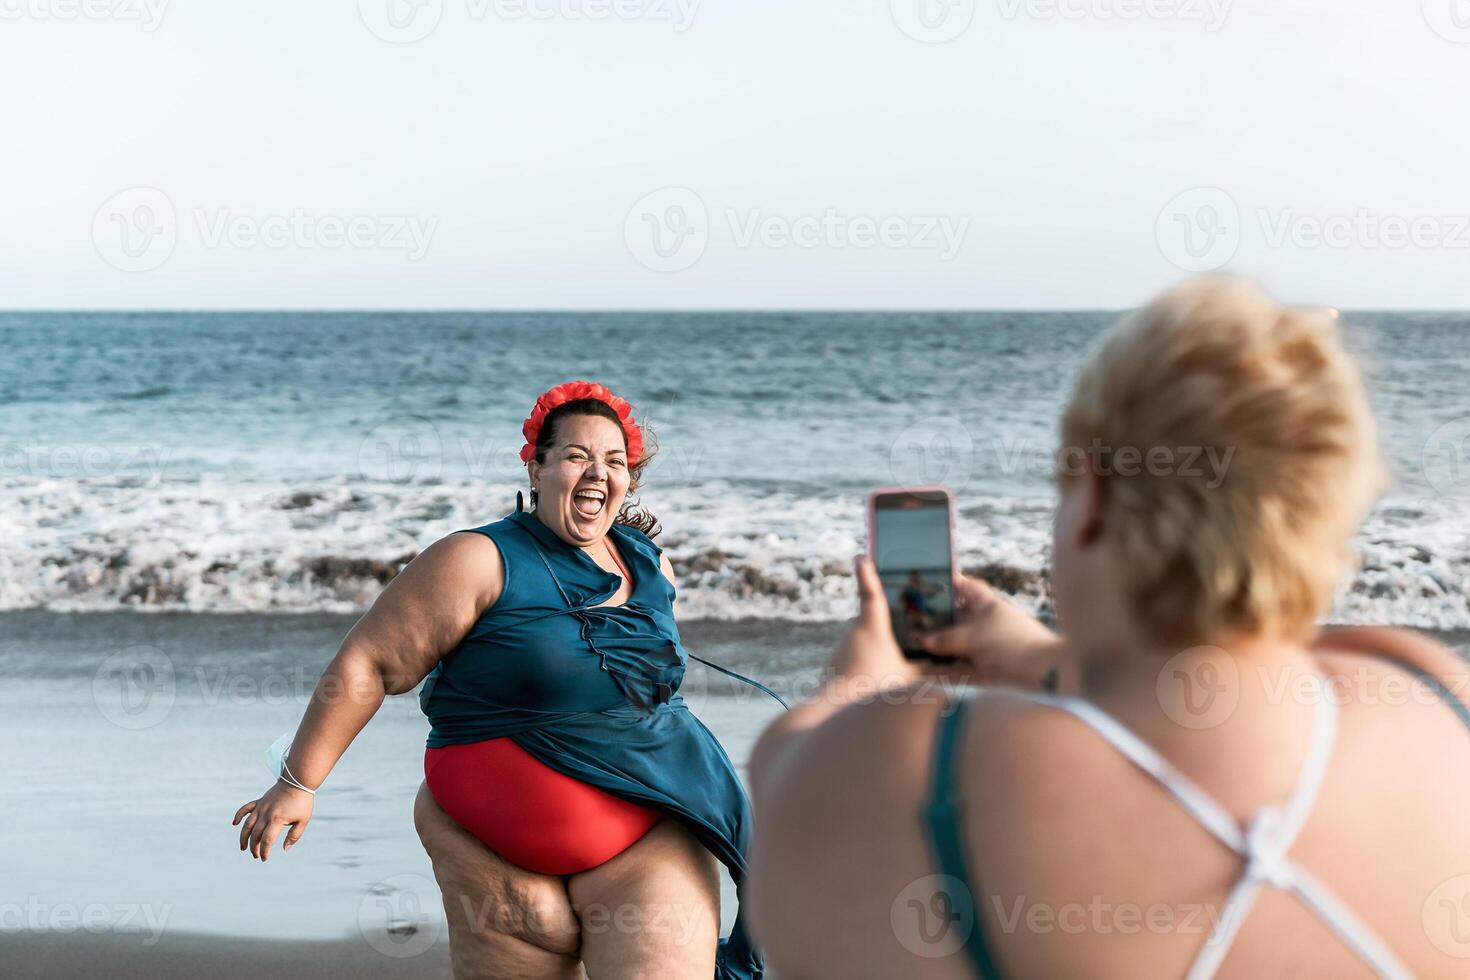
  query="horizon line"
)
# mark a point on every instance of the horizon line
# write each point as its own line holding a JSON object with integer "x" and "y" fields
{"x": 658, "y": 310}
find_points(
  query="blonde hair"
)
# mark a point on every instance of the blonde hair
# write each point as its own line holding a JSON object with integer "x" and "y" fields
{"x": 1259, "y": 544}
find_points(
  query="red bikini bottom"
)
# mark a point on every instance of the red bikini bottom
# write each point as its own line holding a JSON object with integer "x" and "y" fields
{"x": 528, "y": 813}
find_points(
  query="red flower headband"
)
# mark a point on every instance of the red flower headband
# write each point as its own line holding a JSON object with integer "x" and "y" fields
{"x": 574, "y": 391}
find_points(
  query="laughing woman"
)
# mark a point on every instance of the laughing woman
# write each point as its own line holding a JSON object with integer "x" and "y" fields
{"x": 564, "y": 774}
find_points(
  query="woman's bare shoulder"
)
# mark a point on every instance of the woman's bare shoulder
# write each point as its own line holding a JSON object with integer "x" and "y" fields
{"x": 1344, "y": 647}
{"x": 1407, "y": 689}
{"x": 842, "y": 816}
{"x": 886, "y": 744}
{"x": 464, "y": 567}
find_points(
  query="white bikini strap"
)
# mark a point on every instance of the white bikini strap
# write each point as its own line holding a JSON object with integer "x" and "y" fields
{"x": 1263, "y": 844}
{"x": 1352, "y": 931}
{"x": 1199, "y": 803}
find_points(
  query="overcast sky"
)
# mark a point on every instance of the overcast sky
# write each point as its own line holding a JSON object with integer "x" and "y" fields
{"x": 730, "y": 153}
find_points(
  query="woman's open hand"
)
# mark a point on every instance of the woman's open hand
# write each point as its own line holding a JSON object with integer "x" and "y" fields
{"x": 281, "y": 806}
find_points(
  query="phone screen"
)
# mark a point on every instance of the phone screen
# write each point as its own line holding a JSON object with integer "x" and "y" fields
{"x": 911, "y": 551}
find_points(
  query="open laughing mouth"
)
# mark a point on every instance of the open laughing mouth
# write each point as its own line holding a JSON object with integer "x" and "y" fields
{"x": 589, "y": 503}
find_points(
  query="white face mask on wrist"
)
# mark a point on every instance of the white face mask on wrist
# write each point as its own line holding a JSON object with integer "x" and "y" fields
{"x": 275, "y": 758}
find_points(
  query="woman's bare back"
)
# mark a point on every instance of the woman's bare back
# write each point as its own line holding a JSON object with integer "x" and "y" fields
{"x": 1084, "y": 866}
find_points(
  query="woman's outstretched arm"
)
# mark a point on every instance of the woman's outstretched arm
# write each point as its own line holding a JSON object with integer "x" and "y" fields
{"x": 421, "y": 616}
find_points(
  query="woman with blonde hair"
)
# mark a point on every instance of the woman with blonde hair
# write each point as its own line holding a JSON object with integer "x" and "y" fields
{"x": 1192, "y": 778}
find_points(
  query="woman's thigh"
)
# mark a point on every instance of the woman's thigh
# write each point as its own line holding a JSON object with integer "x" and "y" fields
{"x": 651, "y": 912}
{"x": 504, "y": 921}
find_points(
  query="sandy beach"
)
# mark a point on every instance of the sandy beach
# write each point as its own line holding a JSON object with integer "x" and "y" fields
{"x": 135, "y": 737}
{"x": 120, "y": 957}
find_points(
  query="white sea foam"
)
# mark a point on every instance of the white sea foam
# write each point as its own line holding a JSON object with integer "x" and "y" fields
{"x": 212, "y": 545}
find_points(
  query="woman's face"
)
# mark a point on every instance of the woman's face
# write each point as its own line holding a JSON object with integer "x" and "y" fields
{"x": 581, "y": 485}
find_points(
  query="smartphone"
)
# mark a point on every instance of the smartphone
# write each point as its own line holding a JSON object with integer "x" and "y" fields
{"x": 911, "y": 540}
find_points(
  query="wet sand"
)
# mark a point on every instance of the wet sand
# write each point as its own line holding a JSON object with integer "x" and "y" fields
{"x": 133, "y": 738}
{"x": 182, "y": 956}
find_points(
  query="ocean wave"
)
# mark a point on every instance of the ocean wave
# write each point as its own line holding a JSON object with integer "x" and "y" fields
{"x": 212, "y": 545}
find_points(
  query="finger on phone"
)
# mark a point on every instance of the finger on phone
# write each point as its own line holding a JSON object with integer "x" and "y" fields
{"x": 972, "y": 592}
{"x": 872, "y": 604}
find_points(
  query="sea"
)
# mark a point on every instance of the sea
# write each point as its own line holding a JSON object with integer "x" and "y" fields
{"x": 291, "y": 462}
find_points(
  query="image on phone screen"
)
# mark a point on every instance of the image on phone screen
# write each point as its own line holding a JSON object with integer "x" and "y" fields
{"x": 912, "y": 556}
